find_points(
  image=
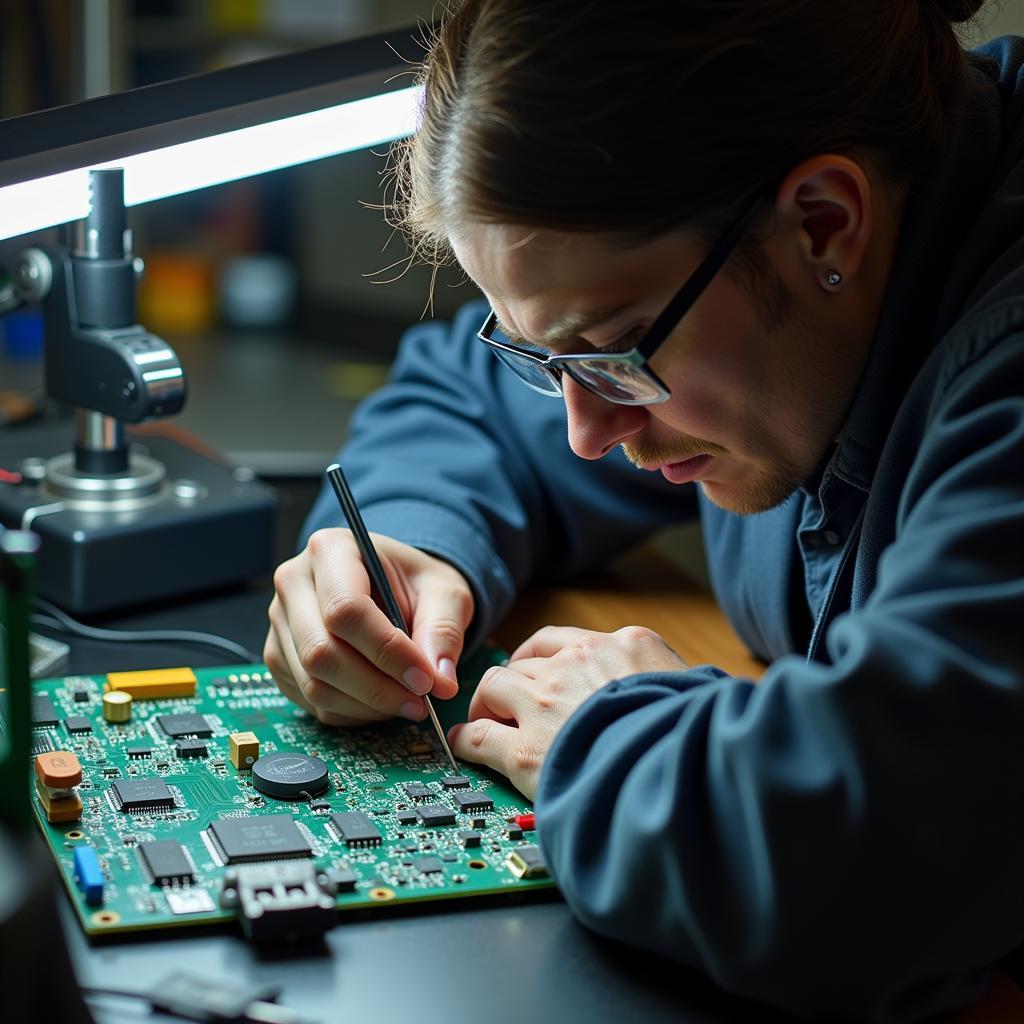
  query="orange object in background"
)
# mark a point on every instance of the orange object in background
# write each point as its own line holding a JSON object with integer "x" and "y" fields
{"x": 177, "y": 293}
{"x": 58, "y": 769}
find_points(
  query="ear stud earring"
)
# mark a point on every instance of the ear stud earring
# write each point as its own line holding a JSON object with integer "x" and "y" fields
{"x": 833, "y": 279}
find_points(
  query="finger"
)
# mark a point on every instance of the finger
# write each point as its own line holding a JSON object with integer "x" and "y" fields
{"x": 329, "y": 675}
{"x": 441, "y": 617}
{"x": 500, "y": 695}
{"x": 529, "y": 667}
{"x": 547, "y": 642}
{"x": 483, "y": 742}
{"x": 276, "y": 661}
{"x": 349, "y": 613}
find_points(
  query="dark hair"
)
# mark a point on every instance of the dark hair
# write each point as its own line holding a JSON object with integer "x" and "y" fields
{"x": 591, "y": 115}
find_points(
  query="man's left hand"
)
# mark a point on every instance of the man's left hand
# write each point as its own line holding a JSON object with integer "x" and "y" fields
{"x": 518, "y": 709}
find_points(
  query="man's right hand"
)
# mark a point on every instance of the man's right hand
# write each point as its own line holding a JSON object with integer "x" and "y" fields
{"x": 334, "y": 652}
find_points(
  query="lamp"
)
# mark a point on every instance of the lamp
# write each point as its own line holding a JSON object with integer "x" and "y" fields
{"x": 120, "y": 523}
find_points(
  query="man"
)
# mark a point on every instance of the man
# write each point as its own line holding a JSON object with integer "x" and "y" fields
{"x": 771, "y": 256}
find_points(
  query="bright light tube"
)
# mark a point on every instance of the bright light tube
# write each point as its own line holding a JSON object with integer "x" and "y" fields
{"x": 172, "y": 170}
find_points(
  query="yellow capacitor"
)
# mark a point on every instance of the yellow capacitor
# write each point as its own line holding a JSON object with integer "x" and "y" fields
{"x": 154, "y": 683}
{"x": 243, "y": 749}
{"x": 117, "y": 706}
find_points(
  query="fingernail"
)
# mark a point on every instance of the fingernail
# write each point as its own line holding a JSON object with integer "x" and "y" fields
{"x": 447, "y": 668}
{"x": 413, "y": 709}
{"x": 416, "y": 680}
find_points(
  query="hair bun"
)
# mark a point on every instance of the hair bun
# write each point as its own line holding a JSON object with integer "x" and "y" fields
{"x": 959, "y": 10}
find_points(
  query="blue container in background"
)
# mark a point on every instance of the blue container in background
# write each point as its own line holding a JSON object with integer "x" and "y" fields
{"x": 22, "y": 335}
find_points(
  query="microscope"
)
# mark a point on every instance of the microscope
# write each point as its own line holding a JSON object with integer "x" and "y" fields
{"x": 123, "y": 518}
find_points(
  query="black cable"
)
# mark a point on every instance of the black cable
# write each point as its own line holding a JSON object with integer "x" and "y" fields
{"x": 55, "y": 618}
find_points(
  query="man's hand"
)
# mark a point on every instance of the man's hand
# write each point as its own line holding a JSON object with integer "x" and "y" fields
{"x": 518, "y": 709}
{"x": 336, "y": 654}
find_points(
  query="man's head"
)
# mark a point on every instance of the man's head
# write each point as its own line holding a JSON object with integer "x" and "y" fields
{"x": 576, "y": 157}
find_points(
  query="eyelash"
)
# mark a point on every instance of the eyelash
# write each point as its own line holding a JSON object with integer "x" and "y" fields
{"x": 626, "y": 342}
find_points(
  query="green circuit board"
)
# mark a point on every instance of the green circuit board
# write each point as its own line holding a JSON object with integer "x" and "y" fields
{"x": 181, "y": 836}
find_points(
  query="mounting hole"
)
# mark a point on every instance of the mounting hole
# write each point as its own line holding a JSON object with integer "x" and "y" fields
{"x": 478, "y": 864}
{"x": 106, "y": 918}
{"x": 75, "y": 833}
{"x": 382, "y": 893}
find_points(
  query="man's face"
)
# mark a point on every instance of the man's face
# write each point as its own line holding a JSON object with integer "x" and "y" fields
{"x": 754, "y": 404}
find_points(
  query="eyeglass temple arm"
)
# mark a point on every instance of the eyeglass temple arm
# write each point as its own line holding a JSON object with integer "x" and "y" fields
{"x": 700, "y": 279}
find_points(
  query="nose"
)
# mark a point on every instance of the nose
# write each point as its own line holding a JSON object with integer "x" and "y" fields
{"x": 597, "y": 426}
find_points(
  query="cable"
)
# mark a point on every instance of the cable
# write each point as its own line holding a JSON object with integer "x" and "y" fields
{"x": 55, "y": 618}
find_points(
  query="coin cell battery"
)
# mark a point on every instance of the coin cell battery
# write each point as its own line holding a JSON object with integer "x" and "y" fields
{"x": 288, "y": 776}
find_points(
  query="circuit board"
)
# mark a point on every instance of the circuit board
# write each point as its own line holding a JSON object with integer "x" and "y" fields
{"x": 219, "y": 800}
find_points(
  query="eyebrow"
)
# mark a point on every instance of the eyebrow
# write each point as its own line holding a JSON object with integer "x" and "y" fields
{"x": 564, "y": 329}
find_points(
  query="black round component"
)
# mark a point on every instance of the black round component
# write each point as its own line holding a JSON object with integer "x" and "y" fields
{"x": 289, "y": 776}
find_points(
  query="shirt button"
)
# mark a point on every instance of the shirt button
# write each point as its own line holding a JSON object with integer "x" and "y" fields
{"x": 830, "y": 537}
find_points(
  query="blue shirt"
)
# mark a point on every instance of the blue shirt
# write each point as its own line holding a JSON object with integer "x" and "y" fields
{"x": 844, "y": 839}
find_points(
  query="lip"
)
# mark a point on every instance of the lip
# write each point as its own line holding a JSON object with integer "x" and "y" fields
{"x": 686, "y": 471}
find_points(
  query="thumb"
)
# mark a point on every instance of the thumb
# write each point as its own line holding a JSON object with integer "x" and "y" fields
{"x": 440, "y": 620}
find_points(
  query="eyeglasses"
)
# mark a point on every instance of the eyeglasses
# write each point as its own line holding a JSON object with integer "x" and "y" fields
{"x": 620, "y": 377}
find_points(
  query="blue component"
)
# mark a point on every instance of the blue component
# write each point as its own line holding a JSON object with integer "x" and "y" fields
{"x": 89, "y": 874}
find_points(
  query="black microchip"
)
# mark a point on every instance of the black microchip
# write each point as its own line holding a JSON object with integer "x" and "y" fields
{"x": 479, "y": 822}
{"x": 436, "y": 814}
{"x": 406, "y": 817}
{"x": 356, "y": 829}
{"x": 77, "y": 723}
{"x": 142, "y": 794}
{"x": 428, "y": 865}
{"x": 166, "y": 861}
{"x": 319, "y": 805}
{"x": 190, "y": 748}
{"x": 449, "y": 858}
{"x": 269, "y": 837}
{"x": 44, "y": 714}
{"x": 455, "y": 782}
{"x": 470, "y": 837}
{"x": 513, "y": 832}
{"x": 80, "y": 696}
{"x": 42, "y": 744}
{"x": 474, "y": 801}
{"x": 342, "y": 879}
{"x": 139, "y": 752}
{"x": 187, "y": 724}
{"x": 417, "y": 791}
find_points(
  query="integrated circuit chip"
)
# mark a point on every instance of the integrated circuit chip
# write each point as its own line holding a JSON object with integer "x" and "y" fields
{"x": 417, "y": 791}
{"x": 141, "y": 795}
{"x": 188, "y": 723}
{"x": 44, "y": 714}
{"x": 470, "y": 837}
{"x": 436, "y": 814}
{"x": 428, "y": 865}
{"x": 356, "y": 829}
{"x": 77, "y": 723}
{"x": 190, "y": 748}
{"x": 474, "y": 801}
{"x": 406, "y": 817}
{"x": 166, "y": 861}
{"x": 342, "y": 879}
{"x": 269, "y": 837}
{"x": 80, "y": 696}
{"x": 455, "y": 782}
{"x": 138, "y": 752}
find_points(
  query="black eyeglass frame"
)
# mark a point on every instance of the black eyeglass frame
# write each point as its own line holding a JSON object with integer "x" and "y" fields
{"x": 680, "y": 304}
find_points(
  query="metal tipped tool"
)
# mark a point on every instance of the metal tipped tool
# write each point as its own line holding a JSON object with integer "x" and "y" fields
{"x": 380, "y": 580}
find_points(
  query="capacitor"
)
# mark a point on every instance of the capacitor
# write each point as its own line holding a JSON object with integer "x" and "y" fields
{"x": 117, "y": 706}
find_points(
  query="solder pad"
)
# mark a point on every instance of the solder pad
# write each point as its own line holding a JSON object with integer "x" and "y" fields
{"x": 204, "y": 804}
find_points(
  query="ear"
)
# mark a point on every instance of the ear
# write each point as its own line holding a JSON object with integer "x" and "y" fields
{"x": 826, "y": 201}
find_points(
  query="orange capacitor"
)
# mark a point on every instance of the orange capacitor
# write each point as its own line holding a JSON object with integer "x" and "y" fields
{"x": 68, "y": 808}
{"x": 58, "y": 769}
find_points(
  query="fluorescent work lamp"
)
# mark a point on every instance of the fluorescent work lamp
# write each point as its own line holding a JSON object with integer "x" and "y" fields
{"x": 124, "y": 520}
